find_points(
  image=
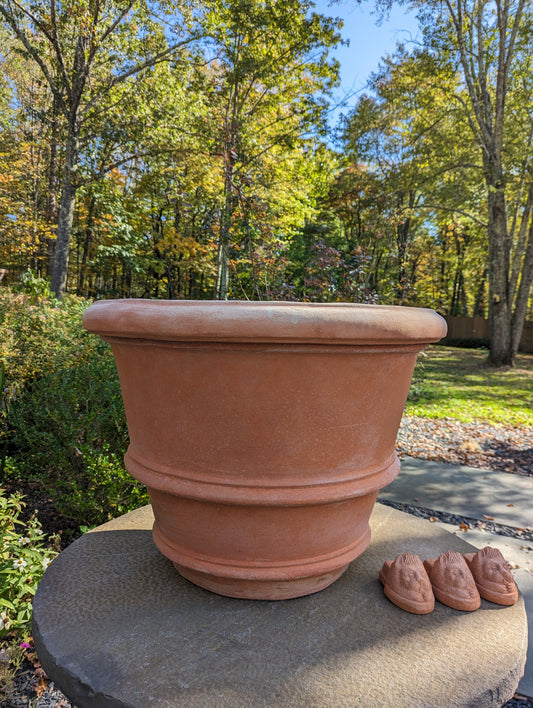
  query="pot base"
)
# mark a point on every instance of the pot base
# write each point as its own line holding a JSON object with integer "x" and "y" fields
{"x": 260, "y": 589}
{"x": 261, "y": 553}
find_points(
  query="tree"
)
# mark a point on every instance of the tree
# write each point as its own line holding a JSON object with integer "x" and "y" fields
{"x": 24, "y": 229}
{"x": 386, "y": 172}
{"x": 83, "y": 51}
{"x": 489, "y": 44}
{"x": 269, "y": 75}
{"x": 410, "y": 174}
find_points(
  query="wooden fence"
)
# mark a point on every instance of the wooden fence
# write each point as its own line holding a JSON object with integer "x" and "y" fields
{"x": 477, "y": 328}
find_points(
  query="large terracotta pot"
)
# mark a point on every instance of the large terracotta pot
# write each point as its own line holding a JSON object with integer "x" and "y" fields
{"x": 263, "y": 430}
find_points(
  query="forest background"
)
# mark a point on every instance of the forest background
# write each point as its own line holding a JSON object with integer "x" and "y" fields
{"x": 182, "y": 149}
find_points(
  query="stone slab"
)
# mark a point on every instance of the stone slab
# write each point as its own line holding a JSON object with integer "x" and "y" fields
{"x": 465, "y": 491}
{"x": 115, "y": 625}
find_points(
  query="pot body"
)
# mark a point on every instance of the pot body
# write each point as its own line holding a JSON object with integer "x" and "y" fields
{"x": 263, "y": 431}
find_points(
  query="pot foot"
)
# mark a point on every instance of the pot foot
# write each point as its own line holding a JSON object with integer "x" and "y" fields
{"x": 250, "y": 574}
{"x": 452, "y": 581}
{"x": 260, "y": 589}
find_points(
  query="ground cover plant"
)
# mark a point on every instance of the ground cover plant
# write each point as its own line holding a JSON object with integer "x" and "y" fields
{"x": 24, "y": 556}
{"x": 25, "y": 553}
{"x": 459, "y": 383}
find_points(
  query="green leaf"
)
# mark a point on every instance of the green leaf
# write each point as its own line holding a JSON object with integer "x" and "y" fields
{"x": 7, "y": 603}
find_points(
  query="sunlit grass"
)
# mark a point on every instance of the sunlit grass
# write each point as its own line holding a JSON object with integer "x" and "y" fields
{"x": 458, "y": 383}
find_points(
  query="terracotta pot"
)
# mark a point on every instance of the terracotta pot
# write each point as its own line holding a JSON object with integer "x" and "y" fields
{"x": 263, "y": 430}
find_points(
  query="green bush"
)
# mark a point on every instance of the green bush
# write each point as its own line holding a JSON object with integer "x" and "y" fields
{"x": 41, "y": 336}
{"x": 25, "y": 553}
{"x": 66, "y": 409}
{"x": 65, "y": 425}
{"x": 70, "y": 434}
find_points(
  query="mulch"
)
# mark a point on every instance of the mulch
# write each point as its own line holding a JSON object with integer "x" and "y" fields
{"x": 31, "y": 687}
{"x": 481, "y": 445}
{"x": 477, "y": 444}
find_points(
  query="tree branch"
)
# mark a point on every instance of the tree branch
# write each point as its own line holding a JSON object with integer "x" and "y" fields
{"x": 162, "y": 56}
{"x": 21, "y": 35}
{"x": 51, "y": 37}
{"x": 438, "y": 207}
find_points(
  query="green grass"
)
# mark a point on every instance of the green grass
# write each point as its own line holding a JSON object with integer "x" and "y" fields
{"x": 458, "y": 383}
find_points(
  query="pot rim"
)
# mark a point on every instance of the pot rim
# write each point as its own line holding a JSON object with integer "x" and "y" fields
{"x": 265, "y": 321}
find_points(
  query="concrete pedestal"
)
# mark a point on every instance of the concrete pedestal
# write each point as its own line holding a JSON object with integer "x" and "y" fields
{"x": 115, "y": 625}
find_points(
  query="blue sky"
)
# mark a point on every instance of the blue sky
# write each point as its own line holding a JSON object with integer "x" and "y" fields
{"x": 368, "y": 42}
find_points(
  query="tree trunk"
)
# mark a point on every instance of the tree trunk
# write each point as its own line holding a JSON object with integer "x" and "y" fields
{"x": 524, "y": 289}
{"x": 222, "y": 286}
{"x": 402, "y": 237}
{"x": 479, "y": 308}
{"x": 499, "y": 306}
{"x": 170, "y": 284}
{"x": 51, "y": 199}
{"x": 66, "y": 215}
{"x": 89, "y": 232}
{"x": 51, "y": 202}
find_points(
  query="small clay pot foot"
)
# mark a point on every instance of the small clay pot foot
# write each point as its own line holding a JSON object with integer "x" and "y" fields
{"x": 492, "y": 576}
{"x": 406, "y": 584}
{"x": 452, "y": 581}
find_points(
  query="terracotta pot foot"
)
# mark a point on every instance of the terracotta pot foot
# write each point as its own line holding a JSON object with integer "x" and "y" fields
{"x": 254, "y": 579}
{"x": 281, "y": 589}
{"x": 406, "y": 584}
{"x": 452, "y": 581}
{"x": 492, "y": 576}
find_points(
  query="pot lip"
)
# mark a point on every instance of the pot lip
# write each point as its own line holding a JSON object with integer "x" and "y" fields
{"x": 263, "y": 322}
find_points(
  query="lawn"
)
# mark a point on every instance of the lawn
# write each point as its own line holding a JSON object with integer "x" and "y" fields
{"x": 458, "y": 383}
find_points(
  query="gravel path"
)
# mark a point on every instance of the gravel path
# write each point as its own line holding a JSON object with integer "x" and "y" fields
{"x": 474, "y": 444}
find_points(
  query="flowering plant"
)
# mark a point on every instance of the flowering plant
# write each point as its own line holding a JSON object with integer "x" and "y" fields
{"x": 24, "y": 557}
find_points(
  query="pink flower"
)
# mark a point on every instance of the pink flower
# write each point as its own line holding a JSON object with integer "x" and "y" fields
{"x": 25, "y": 645}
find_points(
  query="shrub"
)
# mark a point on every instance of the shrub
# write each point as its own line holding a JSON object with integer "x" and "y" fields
{"x": 65, "y": 425}
{"x": 65, "y": 410}
{"x": 69, "y": 433}
{"x": 38, "y": 337}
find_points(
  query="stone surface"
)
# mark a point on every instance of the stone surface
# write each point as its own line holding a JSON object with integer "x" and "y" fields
{"x": 466, "y": 491}
{"x": 115, "y": 625}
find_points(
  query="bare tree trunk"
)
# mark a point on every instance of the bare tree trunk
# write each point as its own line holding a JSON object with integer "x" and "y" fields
{"x": 522, "y": 297}
{"x": 66, "y": 215}
{"x": 499, "y": 306}
{"x": 403, "y": 233}
{"x": 231, "y": 132}
{"x": 479, "y": 310}
{"x": 89, "y": 232}
{"x": 222, "y": 286}
{"x": 51, "y": 202}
